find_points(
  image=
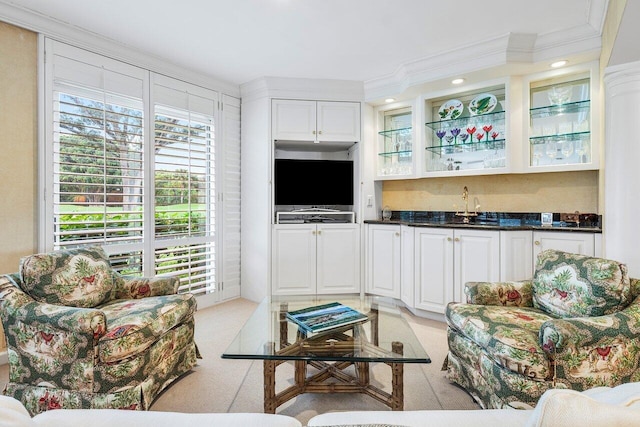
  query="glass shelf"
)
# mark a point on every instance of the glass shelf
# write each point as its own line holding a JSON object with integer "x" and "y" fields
{"x": 403, "y": 153}
{"x": 497, "y": 144}
{"x": 391, "y": 132}
{"x": 560, "y": 109}
{"x": 464, "y": 121}
{"x": 574, "y": 136}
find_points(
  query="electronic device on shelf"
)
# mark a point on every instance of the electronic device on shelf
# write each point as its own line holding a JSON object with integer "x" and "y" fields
{"x": 313, "y": 182}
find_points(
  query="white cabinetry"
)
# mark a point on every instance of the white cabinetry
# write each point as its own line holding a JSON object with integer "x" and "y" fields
{"x": 433, "y": 268}
{"x": 516, "y": 259}
{"x": 476, "y": 258}
{"x": 310, "y": 259}
{"x": 407, "y": 287}
{"x": 570, "y": 241}
{"x": 446, "y": 259}
{"x": 315, "y": 121}
{"x": 384, "y": 261}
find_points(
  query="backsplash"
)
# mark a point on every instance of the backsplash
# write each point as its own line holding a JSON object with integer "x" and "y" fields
{"x": 540, "y": 192}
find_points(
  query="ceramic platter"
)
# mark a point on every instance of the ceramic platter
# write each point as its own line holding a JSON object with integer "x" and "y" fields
{"x": 451, "y": 109}
{"x": 483, "y": 104}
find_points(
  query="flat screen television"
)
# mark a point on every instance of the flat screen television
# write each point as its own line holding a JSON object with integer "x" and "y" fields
{"x": 313, "y": 182}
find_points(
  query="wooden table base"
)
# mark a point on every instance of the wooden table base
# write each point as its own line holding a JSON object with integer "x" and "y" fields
{"x": 317, "y": 383}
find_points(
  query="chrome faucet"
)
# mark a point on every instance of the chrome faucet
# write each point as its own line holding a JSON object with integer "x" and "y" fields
{"x": 466, "y": 214}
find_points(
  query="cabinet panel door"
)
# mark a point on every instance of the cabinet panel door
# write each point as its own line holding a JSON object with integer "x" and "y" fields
{"x": 383, "y": 260}
{"x": 338, "y": 259}
{"x": 338, "y": 121}
{"x": 476, "y": 259}
{"x": 407, "y": 286}
{"x": 573, "y": 242}
{"x": 293, "y": 120}
{"x": 433, "y": 269}
{"x": 294, "y": 260}
{"x": 516, "y": 255}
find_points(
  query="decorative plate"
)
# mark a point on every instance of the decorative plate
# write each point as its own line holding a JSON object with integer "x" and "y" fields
{"x": 483, "y": 104}
{"x": 451, "y": 109}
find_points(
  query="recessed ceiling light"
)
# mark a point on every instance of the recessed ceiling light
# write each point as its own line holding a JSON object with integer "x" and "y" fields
{"x": 389, "y": 100}
{"x": 457, "y": 81}
{"x": 559, "y": 63}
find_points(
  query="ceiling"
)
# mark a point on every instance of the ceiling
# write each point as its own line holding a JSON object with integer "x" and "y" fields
{"x": 379, "y": 42}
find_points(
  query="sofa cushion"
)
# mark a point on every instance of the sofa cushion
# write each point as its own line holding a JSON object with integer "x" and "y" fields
{"x": 508, "y": 335}
{"x": 70, "y": 277}
{"x": 134, "y": 325}
{"x": 618, "y": 406}
{"x": 13, "y": 414}
{"x": 571, "y": 285}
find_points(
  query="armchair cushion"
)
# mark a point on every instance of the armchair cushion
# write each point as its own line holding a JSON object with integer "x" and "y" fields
{"x": 571, "y": 285}
{"x": 134, "y": 325}
{"x": 70, "y": 277}
{"x": 508, "y": 335}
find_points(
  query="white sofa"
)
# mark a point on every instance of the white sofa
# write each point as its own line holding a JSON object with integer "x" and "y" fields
{"x": 618, "y": 406}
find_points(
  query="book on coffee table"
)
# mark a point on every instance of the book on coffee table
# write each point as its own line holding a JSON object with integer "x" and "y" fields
{"x": 324, "y": 317}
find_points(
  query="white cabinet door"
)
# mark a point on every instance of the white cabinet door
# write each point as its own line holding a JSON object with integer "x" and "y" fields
{"x": 294, "y": 259}
{"x": 407, "y": 289}
{"x": 338, "y": 121}
{"x": 567, "y": 241}
{"x": 315, "y": 121}
{"x": 516, "y": 255}
{"x": 476, "y": 258}
{"x": 433, "y": 268}
{"x": 383, "y": 261}
{"x": 293, "y": 120}
{"x": 338, "y": 258}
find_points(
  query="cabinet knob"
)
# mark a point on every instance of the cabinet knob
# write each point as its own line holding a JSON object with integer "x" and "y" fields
{"x": 314, "y": 132}
{"x": 449, "y": 239}
{"x": 536, "y": 243}
{"x": 397, "y": 234}
{"x": 457, "y": 239}
{"x": 313, "y": 232}
{"x": 320, "y": 132}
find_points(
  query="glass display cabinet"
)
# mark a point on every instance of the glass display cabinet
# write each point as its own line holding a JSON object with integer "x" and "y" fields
{"x": 466, "y": 132}
{"x": 559, "y": 127}
{"x": 395, "y": 154}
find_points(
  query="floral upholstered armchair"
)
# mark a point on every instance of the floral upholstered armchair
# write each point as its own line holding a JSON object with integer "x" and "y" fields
{"x": 80, "y": 335}
{"x": 575, "y": 325}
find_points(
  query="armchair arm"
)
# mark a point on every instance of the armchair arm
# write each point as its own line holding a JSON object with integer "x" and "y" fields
{"x": 518, "y": 294}
{"x": 590, "y": 332}
{"x": 588, "y": 351}
{"x": 16, "y": 307}
{"x": 129, "y": 287}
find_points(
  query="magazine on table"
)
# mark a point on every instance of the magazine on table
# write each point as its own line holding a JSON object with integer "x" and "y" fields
{"x": 324, "y": 317}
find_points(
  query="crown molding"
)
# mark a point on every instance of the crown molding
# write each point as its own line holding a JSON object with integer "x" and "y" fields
{"x": 301, "y": 88}
{"x": 512, "y": 48}
{"x": 67, "y": 33}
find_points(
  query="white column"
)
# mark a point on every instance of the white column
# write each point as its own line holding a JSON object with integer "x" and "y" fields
{"x": 622, "y": 166}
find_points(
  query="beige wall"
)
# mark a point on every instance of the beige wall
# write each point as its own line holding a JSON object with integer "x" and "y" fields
{"x": 541, "y": 192}
{"x": 18, "y": 146}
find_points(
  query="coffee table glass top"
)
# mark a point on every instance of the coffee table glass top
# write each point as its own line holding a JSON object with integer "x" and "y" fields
{"x": 385, "y": 336}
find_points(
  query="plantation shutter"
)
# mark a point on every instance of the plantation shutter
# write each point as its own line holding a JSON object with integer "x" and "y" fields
{"x": 95, "y": 143}
{"x": 184, "y": 179}
{"x": 230, "y": 178}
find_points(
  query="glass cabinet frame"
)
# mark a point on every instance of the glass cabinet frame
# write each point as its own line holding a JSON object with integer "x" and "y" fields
{"x": 396, "y": 142}
{"x": 471, "y": 144}
{"x": 561, "y": 122}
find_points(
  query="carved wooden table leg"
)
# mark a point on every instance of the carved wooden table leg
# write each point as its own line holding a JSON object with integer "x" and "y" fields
{"x": 397, "y": 380}
{"x": 269, "y": 372}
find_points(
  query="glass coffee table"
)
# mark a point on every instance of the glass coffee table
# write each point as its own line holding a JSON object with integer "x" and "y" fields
{"x": 384, "y": 336}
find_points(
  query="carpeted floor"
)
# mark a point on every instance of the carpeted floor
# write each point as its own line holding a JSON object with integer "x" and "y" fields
{"x": 224, "y": 385}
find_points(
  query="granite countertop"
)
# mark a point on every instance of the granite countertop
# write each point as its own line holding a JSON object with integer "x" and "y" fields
{"x": 586, "y": 223}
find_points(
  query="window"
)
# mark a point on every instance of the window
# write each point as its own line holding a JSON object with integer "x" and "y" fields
{"x": 130, "y": 164}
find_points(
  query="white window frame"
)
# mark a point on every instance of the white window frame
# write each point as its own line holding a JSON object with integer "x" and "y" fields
{"x": 45, "y": 237}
